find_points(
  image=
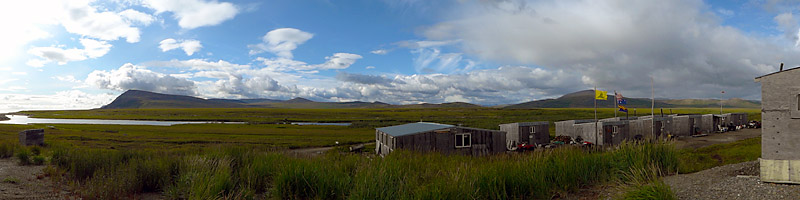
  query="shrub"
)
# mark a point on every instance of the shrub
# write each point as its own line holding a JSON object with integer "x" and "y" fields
{"x": 24, "y": 156}
{"x": 39, "y": 160}
{"x": 36, "y": 150}
{"x": 7, "y": 149}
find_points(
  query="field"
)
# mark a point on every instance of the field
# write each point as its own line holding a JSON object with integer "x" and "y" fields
{"x": 245, "y": 161}
{"x": 487, "y": 118}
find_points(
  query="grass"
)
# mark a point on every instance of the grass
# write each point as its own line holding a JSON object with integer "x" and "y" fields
{"x": 243, "y": 173}
{"x": 264, "y": 136}
{"x": 11, "y": 180}
{"x": 487, "y": 118}
{"x": 694, "y": 160}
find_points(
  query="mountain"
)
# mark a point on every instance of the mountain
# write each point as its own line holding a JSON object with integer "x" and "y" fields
{"x": 144, "y": 99}
{"x": 585, "y": 99}
{"x": 581, "y": 99}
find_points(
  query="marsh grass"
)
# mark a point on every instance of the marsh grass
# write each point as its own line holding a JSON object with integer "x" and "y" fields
{"x": 243, "y": 173}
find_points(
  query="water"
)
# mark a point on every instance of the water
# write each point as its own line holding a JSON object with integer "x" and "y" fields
{"x": 321, "y": 124}
{"x": 22, "y": 119}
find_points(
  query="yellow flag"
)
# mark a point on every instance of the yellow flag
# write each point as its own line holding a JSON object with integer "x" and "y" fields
{"x": 600, "y": 95}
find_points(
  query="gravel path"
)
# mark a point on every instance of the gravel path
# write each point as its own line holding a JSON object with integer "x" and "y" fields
{"x": 735, "y": 181}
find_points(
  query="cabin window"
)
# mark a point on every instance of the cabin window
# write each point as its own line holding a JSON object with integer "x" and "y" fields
{"x": 533, "y": 129}
{"x": 614, "y": 129}
{"x": 463, "y": 140}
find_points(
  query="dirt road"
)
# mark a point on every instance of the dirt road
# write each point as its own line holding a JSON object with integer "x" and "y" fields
{"x": 26, "y": 182}
{"x": 716, "y": 138}
{"x": 734, "y": 181}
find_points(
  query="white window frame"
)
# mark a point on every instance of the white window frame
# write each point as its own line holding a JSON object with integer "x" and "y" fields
{"x": 614, "y": 129}
{"x": 464, "y": 143}
{"x": 533, "y": 129}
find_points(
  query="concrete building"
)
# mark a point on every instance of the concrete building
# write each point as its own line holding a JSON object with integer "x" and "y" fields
{"x": 526, "y": 132}
{"x": 448, "y": 139}
{"x": 780, "y": 133}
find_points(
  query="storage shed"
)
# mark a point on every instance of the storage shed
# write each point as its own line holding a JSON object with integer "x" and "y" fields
{"x": 526, "y": 132}
{"x": 444, "y": 138}
{"x": 707, "y": 123}
{"x": 780, "y": 133}
{"x": 738, "y": 119}
{"x": 566, "y": 128}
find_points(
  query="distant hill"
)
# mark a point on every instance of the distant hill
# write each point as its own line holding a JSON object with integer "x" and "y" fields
{"x": 585, "y": 99}
{"x": 144, "y": 99}
{"x": 581, "y": 99}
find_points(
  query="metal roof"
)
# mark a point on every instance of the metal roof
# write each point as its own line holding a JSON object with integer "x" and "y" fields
{"x": 528, "y": 123}
{"x": 407, "y": 129}
{"x": 775, "y": 73}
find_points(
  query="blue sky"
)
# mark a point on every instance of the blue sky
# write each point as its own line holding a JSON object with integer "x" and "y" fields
{"x": 82, "y": 54}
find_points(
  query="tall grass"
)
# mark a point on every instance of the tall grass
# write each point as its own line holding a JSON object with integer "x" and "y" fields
{"x": 239, "y": 173}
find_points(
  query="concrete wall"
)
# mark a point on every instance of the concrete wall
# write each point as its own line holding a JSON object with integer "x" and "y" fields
{"x": 681, "y": 126}
{"x": 780, "y": 133}
{"x": 707, "y": 123}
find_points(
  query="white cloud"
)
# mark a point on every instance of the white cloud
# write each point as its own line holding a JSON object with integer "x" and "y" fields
{"x": 91, "y": 49}
{"x": 281, "y": 42}
{"x": 130, "y": 76}
{"x": 337, "y": 61}
{"x": 195, "y": 13}
{"x": 380, "y": 52}
{"x": 68, "y": 78}
{"x": 620, "y": 43}
{"x": 188, "y": 46}
{"x": 71, "y": 99}
{"x": 370, "y": 67}
{"x": 81, "y": 18}
{"x": 135, "y": 16}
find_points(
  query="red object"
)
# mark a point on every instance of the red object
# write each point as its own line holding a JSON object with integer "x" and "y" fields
{"x": 525, "y": 146}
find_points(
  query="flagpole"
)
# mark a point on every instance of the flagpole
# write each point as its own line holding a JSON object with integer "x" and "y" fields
{"x": 595, "y": 115}
{"x": 653, "y": 106}
{"x": 615, "y": 103}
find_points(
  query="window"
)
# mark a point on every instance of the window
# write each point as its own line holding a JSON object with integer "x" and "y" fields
{"x": 463, "y": 140}
{"x": 533, "y": 129}
{"x": 614, "y": 129}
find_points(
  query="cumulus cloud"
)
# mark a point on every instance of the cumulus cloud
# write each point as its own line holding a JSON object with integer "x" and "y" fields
{"x": 336, "y": 61}
{"x": 188, "y": 46}
{"x": 620, "y": 44}
{"x": 91, "y": 49}
{"x": 363, "y": 79}
{"x": 508, "y": 84}
{"x": 134, "y": 16}
{"x": 788, "y": 24}
{"x": 81, "y": 18}
{"x": 195, "y": 13}
{"x": 281, "y": 42}
{"x": 130, "y": 76}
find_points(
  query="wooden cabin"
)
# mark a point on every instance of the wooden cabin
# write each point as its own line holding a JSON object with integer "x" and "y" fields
{"x": 526, "y": 132}
{"x": 444, "y": 138}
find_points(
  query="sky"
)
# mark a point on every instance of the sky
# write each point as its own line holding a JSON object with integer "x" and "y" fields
{"x": 82, "y": 54}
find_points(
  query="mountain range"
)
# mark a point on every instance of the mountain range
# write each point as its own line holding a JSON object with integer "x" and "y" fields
{"x": 581, "y": 99}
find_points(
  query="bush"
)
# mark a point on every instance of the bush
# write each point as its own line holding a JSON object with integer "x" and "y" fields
{"x": 24, "y": 156}
{"x": 7, "y": 149}
{"x": 36, "y": 150}
{"x": 39, "y": 160}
